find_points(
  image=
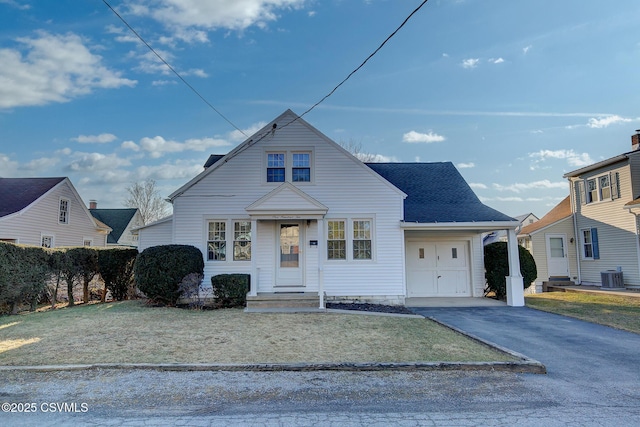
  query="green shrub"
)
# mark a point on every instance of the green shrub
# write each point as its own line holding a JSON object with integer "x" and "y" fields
{"x": 116, "y": 268}
{"x": 496, "y": 268}
{"x": 159, "y": 270}
{"x": 23, "y": 274}
{"x": 230, "y": 290}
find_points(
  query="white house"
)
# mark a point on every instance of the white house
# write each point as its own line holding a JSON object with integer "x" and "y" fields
{"x": 299, "y": 213}
{"x": 47, "y": 212}
{"x": 122, "y": 222}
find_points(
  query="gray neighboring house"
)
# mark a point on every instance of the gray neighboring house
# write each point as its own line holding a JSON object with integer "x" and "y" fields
{"x": 122, "y": 223}
{"x": 47, "y": 212}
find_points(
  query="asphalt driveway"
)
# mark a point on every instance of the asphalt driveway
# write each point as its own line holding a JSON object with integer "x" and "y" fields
{"x": 586, "y": 361}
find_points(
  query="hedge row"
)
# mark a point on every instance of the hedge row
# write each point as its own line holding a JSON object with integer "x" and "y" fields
{"x": 30, "y": 274}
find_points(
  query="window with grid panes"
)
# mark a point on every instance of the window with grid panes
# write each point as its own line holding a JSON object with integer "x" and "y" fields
{"x": 217, "y": 241}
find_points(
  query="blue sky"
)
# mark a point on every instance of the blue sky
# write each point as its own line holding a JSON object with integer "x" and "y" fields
{"x": 514, "y": 93}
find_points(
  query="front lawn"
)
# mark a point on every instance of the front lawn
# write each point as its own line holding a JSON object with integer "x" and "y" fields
{"x": 621, "y": 312}
{"x": 130, "y": 332}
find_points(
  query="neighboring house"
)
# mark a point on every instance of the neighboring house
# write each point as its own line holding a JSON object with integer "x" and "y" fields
{"x": 122, "y": 223}
{"x": 299, "y": 213}
{"x": 551, "y": 242}
{"x": 604, "y": 199}
{"x": 596, "y": 228}
{"x": 47, "y": 212}
{"x": 501, "y": 235}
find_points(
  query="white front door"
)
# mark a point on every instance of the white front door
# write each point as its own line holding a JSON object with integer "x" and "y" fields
{"x": 437, "y": 269}
{"x": 289, "y": 257}
{"x": 557, "y": 261}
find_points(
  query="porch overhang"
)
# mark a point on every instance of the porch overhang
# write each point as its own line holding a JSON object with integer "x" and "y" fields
{"x": 286, "y": 202}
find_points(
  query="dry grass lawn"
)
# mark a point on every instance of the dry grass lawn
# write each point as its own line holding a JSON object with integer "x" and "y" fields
{"x": 130, "y": 332}
{"x": 620, "y": 312}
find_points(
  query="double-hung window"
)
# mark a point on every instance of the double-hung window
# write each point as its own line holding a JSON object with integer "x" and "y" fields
{"x": 276, "y": 167}
{"x": 336, "y": 240}
{"x": 590, "y": 249}
{"x": 217, "y": 241}
{"x": 598, "y": 189}
{"x": 242, "y": 241}
{"x": 301, "y": 171}
{"x": 46, "y": 241}
{"x": 605, "y": 187}
{"x": 63, "y": 212}
{"x": 592, "y": 191}
{"x": 361, "y": 239}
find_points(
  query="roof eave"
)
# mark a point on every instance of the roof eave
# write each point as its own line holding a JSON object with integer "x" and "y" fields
{"x": 473, "y": 225}
{"x": 598, "y": 165}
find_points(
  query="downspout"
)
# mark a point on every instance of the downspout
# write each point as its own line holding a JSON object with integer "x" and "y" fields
{"x": 574, "y": 215}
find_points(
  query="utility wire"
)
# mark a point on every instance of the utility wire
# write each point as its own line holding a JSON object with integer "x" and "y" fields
{"x": 363, "y": 62}
{"x": 173, "y": 70}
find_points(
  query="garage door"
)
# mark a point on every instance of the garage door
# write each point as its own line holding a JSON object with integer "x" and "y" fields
{"x": 437, "y": 269}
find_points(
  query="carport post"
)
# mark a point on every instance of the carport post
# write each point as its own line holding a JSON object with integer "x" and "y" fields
{"x": 515, "y": 282}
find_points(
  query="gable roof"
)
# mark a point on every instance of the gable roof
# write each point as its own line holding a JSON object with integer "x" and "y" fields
{"x": 561, "y": 211}
{"x": 18, "y": 193}
{"x": 436, "y": 192}
{"x": 117, "y": 219}
{"x": 269, "y": 131}
{"x": 290, "y": 196}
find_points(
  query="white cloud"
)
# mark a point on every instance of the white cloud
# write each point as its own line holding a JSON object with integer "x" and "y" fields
{"x": 163, "y": 82}
{"x": 525, "y": 49}
{"x": 497, "y": 61}
{"x": 14, "y": 3}
{"x": 7, "y": 166}
{"x": 478, "y": 185}
{"x": 573, "y": 158}
{"x": 177, "y": 170}
{"x": 54, "y": 68}
{"x": 41, "y": 164}
{"x": 603, "y": 122}
{"x": 238, "y": 136}
{"x": 414, "y": 137}
{"x": 311, "y": 13}
{"x": 466, "y": 165}
{"x": 183, "y": 16}
{"x": 95, "y": 162}
{"x": 103, "y": 138}
{"x": 470, "y": 63}
{"x": 158, "y": 146}
{"x": 543, "y": 184}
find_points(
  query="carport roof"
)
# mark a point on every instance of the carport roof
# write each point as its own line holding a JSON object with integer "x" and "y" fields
{"x": 436, "y": 193}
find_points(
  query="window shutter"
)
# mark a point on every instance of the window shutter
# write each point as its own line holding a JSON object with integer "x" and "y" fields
{"x": 580, "y": 192}
{"x": 594, "y": 242}
{"x": 615, "y": 185}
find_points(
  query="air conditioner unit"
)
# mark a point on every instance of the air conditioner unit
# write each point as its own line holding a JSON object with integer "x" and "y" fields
{"x": 612, "y": 279}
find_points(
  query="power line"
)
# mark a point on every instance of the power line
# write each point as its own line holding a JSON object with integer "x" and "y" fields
{"x": 363, "y": 62}
{"x": 172, "y": 69}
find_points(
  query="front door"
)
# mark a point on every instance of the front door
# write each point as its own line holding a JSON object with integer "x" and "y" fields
{"x": 289, "y": 259}
{"x": 557, "y": 261}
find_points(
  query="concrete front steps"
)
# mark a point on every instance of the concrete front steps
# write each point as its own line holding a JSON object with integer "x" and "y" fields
{"x": 556, "y": 283}
{"x": 283, "y": 302}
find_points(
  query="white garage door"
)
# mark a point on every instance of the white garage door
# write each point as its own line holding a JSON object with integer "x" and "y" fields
{"x": 437, "y": 269}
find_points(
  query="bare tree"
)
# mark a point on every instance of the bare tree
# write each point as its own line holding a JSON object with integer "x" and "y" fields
{"x": 355, "y": 148}
{"x": 146, "y": 197}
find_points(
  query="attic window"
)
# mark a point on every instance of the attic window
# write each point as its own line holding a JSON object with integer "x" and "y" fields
{"x": 275, "y": 167}
{"x": 63, "y": 214}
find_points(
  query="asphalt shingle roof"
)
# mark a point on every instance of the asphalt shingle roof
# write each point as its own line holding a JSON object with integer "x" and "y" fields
{"x": 18, "y": 193}
{"x": 436, "y": 192}
{"x": 213, "y": 158}
{"x": 117, "y": 219}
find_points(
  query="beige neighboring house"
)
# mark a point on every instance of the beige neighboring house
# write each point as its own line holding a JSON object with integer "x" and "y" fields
{"x": 47, "y": 212}
{"x": 598, "y": 231}
{"x": 551, "y": 242}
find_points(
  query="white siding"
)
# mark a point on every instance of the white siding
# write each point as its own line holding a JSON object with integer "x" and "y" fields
{"x": 128, "y": 238}
{"x": 539, "y": 249}
{"x": 616, "y": 230}
{"x": 349, "y": 189}
{"x": 155, "y": 235}
{"x": 41, "y": 218}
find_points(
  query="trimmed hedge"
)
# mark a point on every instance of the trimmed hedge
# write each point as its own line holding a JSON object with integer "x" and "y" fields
{"x": 159, "y": 270}
{"x": 116, "y": 268}
{"x": 496, "y": 266}
{"x": 23, "y": 274}
{"x": 230, "y": 290}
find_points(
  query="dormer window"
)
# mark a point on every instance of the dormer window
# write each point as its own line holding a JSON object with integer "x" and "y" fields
{"x": 276, "y": 167}
{"x": 63, "y": 214}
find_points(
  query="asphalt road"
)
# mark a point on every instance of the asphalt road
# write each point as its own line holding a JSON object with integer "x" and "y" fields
{"x": 593, "y": 380}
